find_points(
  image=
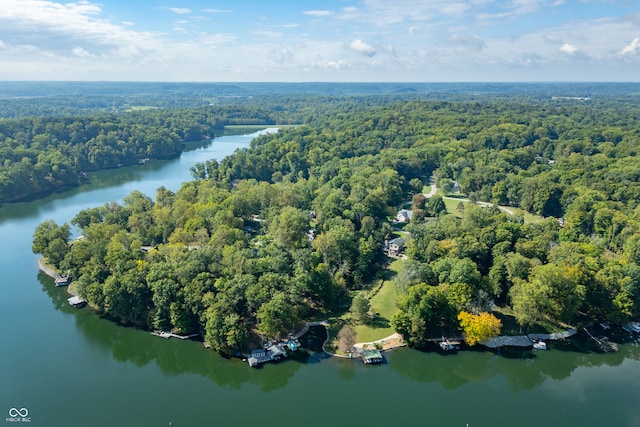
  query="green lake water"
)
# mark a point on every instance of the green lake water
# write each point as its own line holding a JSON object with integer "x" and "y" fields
{"x": 69, "y": 367}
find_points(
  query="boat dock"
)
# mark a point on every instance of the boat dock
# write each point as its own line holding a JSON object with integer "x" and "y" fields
{"x": 273, "y": 352}
{"x": 371, "y": 357}
{"x": 525, "y": 340}
{"x": 76, "y": 301}
{"x": 63, "y": 280}
{"x": 167, "y": 335}
{"x": 449, "y": 345}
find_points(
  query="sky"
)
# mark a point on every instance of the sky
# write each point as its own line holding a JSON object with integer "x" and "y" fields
{"x": 327, "y": 41}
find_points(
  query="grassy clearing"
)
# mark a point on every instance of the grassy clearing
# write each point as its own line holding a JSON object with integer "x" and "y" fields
{"x": 141, "y": 108}
{"x": 452, "y": 208}
{"x": 383, "y": 303}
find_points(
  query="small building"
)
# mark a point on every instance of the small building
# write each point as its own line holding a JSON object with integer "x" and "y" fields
{"x": 404, "y": 215}
{"x": 371, "y": 357}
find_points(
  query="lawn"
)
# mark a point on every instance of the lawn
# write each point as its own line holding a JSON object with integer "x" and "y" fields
{"x": 141, "y": 108}
{"x": 452, "y": 208}
{"x": 384, "y": 304}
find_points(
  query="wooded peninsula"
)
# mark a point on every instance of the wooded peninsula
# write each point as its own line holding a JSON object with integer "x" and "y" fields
{"x": 298, "y": 226}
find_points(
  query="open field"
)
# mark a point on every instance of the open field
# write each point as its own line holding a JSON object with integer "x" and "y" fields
{"x": 452, "y": 207}
{"x": 384, "y": 304}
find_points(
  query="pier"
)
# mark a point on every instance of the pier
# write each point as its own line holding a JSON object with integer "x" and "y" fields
{"x": 167, "y": 335}
{"x": 525, "y": 340}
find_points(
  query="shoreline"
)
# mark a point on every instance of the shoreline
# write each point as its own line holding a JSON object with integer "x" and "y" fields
{"x": 49, "y": 271}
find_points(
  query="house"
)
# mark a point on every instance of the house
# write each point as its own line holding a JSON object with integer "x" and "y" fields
{"x": 394, "y": 247}
{"x": 404, "y": 215}
{"x": 455, "y": 187}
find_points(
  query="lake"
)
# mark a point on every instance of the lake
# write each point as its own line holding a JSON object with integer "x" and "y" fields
{"x": 69, "y": 367}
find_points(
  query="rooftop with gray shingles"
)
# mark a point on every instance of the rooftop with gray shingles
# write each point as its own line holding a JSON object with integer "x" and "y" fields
{"x": 512, "y": 341}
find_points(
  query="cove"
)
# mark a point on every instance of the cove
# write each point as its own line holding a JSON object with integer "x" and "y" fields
{"x": 69, "y": 367}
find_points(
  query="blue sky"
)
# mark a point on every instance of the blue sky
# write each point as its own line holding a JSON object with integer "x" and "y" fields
{"x": 311, "y": 40}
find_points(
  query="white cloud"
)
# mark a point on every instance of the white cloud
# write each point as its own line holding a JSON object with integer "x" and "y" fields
{"x": 335, "y": 65}
{"x": 525, "y": 6}
{"x": 380, "y": 39}
{"x": 359, "y": 46}
{"x": 81, "y": 53}
{"x": 180, "y": 10}
{"x": 318, "y": 13}
{"x": 631, "y": 48}
{"x": 217, "y": 10}
{"x": 569, "y": 48}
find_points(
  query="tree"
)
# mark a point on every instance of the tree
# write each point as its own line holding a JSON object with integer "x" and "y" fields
{"x": 346, "y": 338}
{"x": 52, "y": 241}
{"x": 274, "y": 315}
{"x": 478, "y": 327}
{"x": 435, "y": 206}
{"x": 48, "y": 231}
{"x": 360, "y": 307}
{"x": 289, "y": 227}
{"x": 552, "y": 291}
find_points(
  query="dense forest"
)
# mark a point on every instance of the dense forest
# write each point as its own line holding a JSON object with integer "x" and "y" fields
{"x": 286, "y": 229}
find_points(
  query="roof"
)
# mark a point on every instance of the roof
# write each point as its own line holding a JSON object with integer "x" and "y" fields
{"x": 369, "y": 354}
{"x": 75, "y": 300}
{"x": 406, "y": 213}
{"x": 397, "y": 241}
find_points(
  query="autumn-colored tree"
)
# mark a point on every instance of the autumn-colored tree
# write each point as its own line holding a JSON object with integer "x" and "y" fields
{"x": 346, "y": 338}
{"x": 477, "y": 327}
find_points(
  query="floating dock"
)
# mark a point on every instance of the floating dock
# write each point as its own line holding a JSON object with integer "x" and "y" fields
{"x": 76, "y": 301}
{"x": 167, "y": 335}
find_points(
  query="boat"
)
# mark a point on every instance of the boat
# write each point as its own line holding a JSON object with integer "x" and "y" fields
{"x": 539, "y": 345}
{"x": 632, "y": 327}
{"x": 449, "y": 345}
